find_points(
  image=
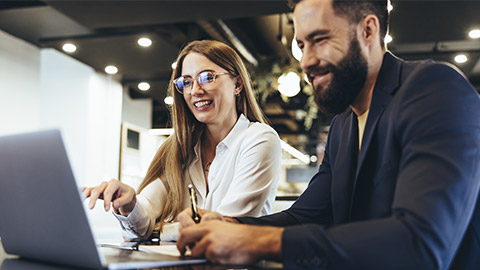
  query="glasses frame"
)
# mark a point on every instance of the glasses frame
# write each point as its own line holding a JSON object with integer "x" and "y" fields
{"x": 215, "y": 74}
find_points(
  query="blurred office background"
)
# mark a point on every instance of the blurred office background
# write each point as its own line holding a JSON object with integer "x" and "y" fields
{"x": 98, "y": 70}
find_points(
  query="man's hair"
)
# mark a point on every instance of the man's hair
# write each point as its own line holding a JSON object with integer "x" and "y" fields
{"x": 355, "y": 10}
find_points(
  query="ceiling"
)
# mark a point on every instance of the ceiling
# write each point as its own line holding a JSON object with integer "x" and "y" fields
{"x": 106, "y": 33}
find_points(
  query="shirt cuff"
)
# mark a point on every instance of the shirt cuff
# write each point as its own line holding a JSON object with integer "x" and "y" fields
{"x": 170, "y": 232}
{"x": 135, "y": 225}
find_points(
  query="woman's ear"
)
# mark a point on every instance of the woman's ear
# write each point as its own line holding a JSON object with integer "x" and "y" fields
{"x": 238, "y": 85}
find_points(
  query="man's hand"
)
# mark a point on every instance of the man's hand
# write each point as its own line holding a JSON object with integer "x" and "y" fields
{"x": 227, "y": 243}
{"x": 185, "y": 217}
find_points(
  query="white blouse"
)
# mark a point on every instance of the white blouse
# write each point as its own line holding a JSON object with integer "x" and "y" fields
{"x": 242, "y": 181}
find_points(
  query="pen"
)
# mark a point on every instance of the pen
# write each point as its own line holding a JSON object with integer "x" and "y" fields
{"x": 193, "y": 199}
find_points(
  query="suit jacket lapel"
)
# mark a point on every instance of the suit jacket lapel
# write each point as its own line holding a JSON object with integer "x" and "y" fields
{"x": 344, "y": 170}
{"x": 387, "y": 82}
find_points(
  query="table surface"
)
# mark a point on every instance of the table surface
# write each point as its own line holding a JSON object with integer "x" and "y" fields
{"x": 12, "y": 262}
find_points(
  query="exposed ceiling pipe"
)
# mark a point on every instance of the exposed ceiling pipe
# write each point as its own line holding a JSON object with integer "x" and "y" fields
{"x": 237, "y": 43}
{"x": 232, "y": 38}
{"x": 211, "y": 30}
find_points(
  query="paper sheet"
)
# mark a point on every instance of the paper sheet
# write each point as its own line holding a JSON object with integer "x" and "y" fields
{"x": 163, "y": 249}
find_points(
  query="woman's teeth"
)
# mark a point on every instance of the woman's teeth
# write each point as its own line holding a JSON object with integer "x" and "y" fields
{"x": 202, "y": 103}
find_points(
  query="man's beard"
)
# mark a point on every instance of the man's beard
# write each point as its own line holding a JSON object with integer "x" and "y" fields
{"x": 348, "y": 79}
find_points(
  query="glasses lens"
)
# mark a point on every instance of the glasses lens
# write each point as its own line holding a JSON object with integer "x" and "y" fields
{"x": 206, "y": 77}
{"x": 183, "y": 84}
{"x": 179, "y": 84}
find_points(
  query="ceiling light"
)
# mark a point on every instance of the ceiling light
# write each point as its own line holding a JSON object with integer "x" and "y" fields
{"x": 144, "y": 42}
{"x": 297, "y": 53}
{"x": 461, "y": 58}
{"x": 300, "y": 115}
{"x": 313, "y": 159}
{"x": 289, "y": 84}
{"x": 174, "y": 65}
{"x": 69, "y": 47}
{"x": 168, "y": 100}
{"x": 388, "y": 39}
{"x": 144, "y": 86}
{"x": 111, "y": 70}
{"x": 389, "y": 6}
{"x": 475, "y": 33}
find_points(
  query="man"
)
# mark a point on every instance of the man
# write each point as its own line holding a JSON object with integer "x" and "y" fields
{"x": 403, "y": 195}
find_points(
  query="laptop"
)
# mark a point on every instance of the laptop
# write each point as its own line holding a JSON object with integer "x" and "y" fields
{"x": 42, "y": 214}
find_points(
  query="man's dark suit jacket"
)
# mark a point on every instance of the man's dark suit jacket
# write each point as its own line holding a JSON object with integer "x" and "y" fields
{"x": 408, "y": 199}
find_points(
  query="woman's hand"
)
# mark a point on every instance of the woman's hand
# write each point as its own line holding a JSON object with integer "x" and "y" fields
{"x": 121, "y": 196}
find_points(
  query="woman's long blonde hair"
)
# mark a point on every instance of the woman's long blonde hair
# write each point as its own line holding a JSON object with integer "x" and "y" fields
{"x": 174, "y": 155}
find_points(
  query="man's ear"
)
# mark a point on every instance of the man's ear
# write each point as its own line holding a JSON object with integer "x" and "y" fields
{"x": 370, "y": 29}
{"x": 238, "y": 85}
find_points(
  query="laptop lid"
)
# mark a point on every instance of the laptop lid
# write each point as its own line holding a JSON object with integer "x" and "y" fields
{"x": 40, "y": 205}
{"x": 41, "y": 209}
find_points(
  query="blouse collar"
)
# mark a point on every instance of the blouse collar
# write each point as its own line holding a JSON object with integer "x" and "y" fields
{"x": 234, "y": 135}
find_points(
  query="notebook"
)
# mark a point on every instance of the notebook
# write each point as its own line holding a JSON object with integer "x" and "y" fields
{"x": 42, "y": 214}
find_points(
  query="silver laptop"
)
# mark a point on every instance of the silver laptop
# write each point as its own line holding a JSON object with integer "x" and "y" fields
{"x": 42, "y": 216}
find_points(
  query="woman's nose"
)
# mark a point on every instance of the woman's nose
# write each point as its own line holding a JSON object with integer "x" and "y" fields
{"x": 196, "y": 89}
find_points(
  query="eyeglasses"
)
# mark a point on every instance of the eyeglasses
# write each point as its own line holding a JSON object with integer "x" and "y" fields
{"x": 205, "y": 79}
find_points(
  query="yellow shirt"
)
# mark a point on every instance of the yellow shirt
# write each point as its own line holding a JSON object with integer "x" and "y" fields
{"x": 362, "y": 121}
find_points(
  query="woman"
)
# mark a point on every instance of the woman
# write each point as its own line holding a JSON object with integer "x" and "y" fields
{"x": 220, "y": 145}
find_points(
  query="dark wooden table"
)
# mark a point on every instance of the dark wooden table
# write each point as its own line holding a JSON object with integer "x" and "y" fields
{"x": 11, "y": 262}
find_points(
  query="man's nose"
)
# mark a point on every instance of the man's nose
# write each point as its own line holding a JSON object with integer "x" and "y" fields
{"x": 309, "y": 58}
